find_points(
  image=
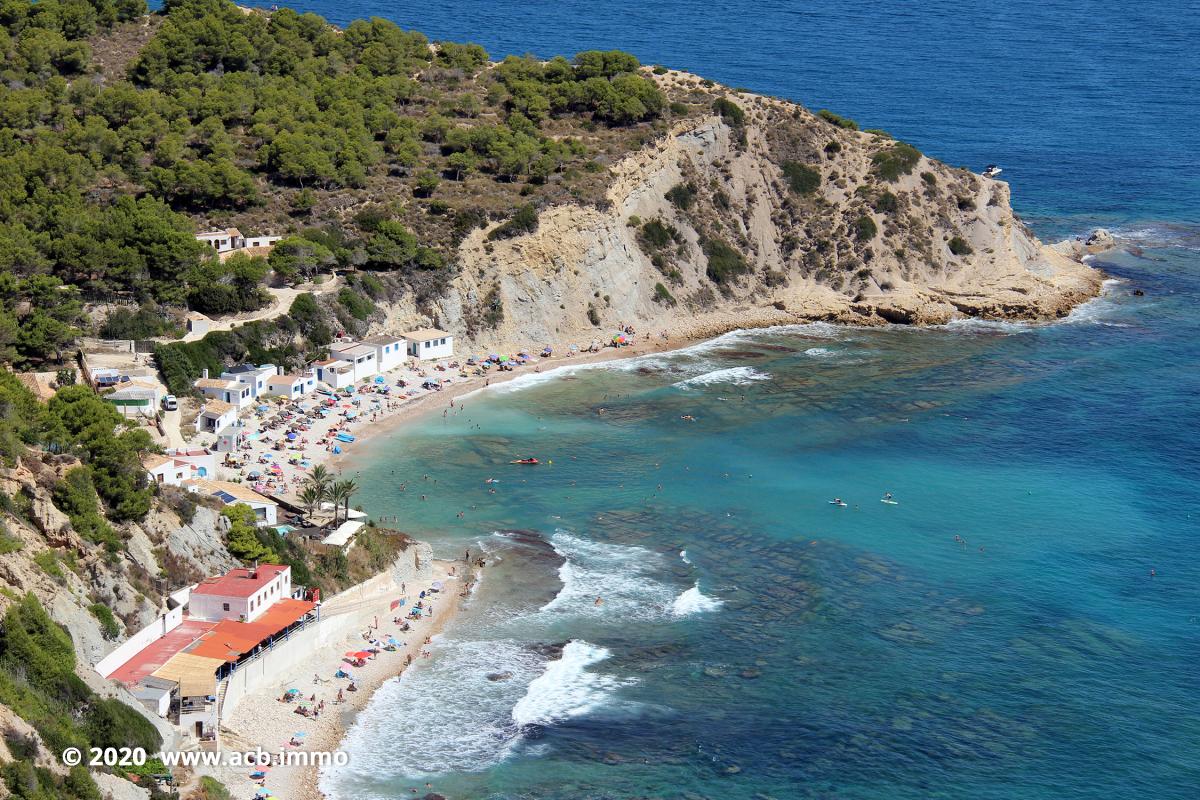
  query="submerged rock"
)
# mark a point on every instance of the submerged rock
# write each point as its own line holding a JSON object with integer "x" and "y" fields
{"x": 499, "y": 676}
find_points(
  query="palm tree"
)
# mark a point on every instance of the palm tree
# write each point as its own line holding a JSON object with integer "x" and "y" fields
{"x": 349, "y": 489}
{"x": 310, "y": 497}
{"x": 320, "y": 477}
{"x": 337, "y": 492}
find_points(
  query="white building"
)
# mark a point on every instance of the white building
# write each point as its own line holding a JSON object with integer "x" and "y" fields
{"x": 252, "y": 376}
{"x": 389, "y": 351}
{"x": 240, "y": 594}
{"x": 165, "y": 470}
{"x": 231, "y": 240}
{"x": 362, "y": 356}
{"x": 266, "y": 510}
{"x": 334, "y": 372}
{"x": 198, "y": 323}
{"x": 202, "y": 463}
{"x": 227, "y": 390}
{"x": 216, "y": 415}
{"x": 291, "y": 386}
{"x": 429, "y": 343}
{"x": 135, "y": 396}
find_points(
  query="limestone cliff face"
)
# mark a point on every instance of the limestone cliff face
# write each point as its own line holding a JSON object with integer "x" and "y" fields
{"x": 932, "y": 244}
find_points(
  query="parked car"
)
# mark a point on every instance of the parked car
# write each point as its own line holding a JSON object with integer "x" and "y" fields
{"x": 170, "y": 403}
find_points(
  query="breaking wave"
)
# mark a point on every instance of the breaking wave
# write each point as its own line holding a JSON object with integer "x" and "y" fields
{"x": 693, "y": 601}
{"x": 620, "y": 577}
{"x": 738, "y": 376}
{"x": 567, "y": 689}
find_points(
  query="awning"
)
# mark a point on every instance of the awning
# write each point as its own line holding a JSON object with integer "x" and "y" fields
{"x": 196, "y": 675}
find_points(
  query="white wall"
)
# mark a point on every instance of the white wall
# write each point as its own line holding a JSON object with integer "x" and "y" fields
{"x": 290, "y": 658}
{"x": 161, "y": 626}
{"x": 431, "y": 349}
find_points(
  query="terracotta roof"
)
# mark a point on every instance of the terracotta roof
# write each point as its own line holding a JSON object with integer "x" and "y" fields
{"x": 235, "y": 490}
{"x": 238, "y": 582}
{"x": 216, "y": 408}
{"x": 152, "y": 461}
{"x": 214, "y": 383}
{"x": 286, "y": 380}
{"x": 424, "y": 334}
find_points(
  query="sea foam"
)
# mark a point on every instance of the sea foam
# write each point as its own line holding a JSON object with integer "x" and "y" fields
{"x": 621, "y": 577}
{"x": 693, "y": 601}
{"x": 738, "y": 376}
{"x": 567, "y": 688}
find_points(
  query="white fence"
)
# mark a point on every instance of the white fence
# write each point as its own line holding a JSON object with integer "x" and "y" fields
{"x": 161, "y": 626}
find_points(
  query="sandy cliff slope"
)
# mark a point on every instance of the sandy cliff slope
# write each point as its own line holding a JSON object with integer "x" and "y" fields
{"x": 932, "y": 244}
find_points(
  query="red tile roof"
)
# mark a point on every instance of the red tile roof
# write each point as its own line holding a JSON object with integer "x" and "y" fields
{"x": 238, "y": 582}
{"x": 230, "y": 639}
{"x": 159, "y": 651}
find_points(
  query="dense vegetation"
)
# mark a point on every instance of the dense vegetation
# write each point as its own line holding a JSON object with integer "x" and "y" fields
{"x": 268, "y": 117}
{"x": 38, "y": 682}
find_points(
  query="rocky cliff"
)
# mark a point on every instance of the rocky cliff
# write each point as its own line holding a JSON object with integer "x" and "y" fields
{"x": 761, "y": 214}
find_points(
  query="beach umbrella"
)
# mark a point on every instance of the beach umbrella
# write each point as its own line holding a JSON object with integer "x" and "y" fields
{"x": 299, "y": 735}
{"x": 380, "y": 379}
{"x": 253, "y": 474}
{"x": 437, "y": 585}
{"x": 291, "y": 437}
{"x": 293, "y": 691}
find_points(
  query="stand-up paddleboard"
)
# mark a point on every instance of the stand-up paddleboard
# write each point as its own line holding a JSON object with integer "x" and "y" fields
{"x": 889, "y": 502}
{"x": 837, "y": 503}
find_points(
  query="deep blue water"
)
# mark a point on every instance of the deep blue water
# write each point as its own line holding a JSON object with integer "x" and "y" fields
{"x": 807, "y": 650}
{"x": 1091, "y": 107}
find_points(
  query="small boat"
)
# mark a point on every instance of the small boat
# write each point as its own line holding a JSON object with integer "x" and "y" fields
{"x": 837, "y": 502}
{"x": 991, "y": 171}
{"x": 530, "y": 460}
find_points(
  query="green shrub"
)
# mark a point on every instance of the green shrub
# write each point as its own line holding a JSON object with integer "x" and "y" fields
{"x": 75, "y": 496}
{"x": 833, "y": 146}
{"x": 524, "y": 221}
{"x": 679, "y": 109}
{"x": 242, "y": 540}
{"x": 48, "y": 561}
{"x": 864, "y": 228}
{"x": 959, "y": 246}
{"x": 109, "y": 628}
{"x": 724, "y": 263}
{"x": 885, "y": 202}
{"x": 801, "y": 179}
{"x": 682, "y": 196}
{"x": 929, "y": 178}
{"x": 894, "y": 161}
{"x": 730, "y": 111}
{"x": 593, "y": 315}
{"x": 213, "y": 789}
{"x": 8, "y": 542}
{"x": 144, "y": 323}
{"x": 834, "y": 119}
{"x": 661, "y": 295}
{"x": 357, "y": 305}
{"x": 656, "y": 234}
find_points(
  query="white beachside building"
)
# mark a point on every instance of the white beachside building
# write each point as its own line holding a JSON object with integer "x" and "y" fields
{"x": 252, "y": 376}
{"x": 227, "y": 390}
{"x": 334, "y": 372}
{"x": 266, "y": 510}
{"x": 292, "y": 387}
{"x": 216, "y": 415}
{"x": 429, "y": 343}
{"x": 165, "y": 470}
{"x": 229, "y": 241}
{"x": 389, "y": 351}
{"x": 362, "y": 356}
{"x": 241, "y": 594}
{"x": 136, "y": 396}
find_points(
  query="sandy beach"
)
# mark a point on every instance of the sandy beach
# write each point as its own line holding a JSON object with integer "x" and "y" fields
{"x": 263, "y": 720}
{"x": 274, "y": 466}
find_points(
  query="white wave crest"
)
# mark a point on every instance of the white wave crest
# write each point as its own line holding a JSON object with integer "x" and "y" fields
{"x": 567, "y": 689}
{"x": 693, "y": 601}
{"x": 684, "y": 556}
{"x": 620, "y": 577}
{"x": 738, "y": 376}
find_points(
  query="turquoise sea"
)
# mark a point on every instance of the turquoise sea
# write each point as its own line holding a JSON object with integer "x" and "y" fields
{"x": 1024, "y": 623}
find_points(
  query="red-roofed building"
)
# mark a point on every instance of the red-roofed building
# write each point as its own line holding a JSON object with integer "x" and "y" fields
{"x": 241, "y": 594}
